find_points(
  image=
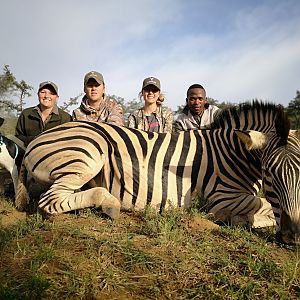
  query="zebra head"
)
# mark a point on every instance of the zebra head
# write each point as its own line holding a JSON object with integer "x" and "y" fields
{"x": 264, "y": 128}
{"x": 281, "y": 183}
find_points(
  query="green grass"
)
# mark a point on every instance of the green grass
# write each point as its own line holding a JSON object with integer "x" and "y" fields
{"x": 141, "y": 256}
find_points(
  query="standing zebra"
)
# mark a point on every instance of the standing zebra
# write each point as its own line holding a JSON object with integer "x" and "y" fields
{"x": 129, "y": 169}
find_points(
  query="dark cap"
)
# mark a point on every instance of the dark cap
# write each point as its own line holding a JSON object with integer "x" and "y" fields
{"x": 52, "y": 84}
{"x": 93, "y": 75}
{"x": 151, "y": 81}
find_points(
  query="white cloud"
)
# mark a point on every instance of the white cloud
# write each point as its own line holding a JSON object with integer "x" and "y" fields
{"x": 238, "y": 51}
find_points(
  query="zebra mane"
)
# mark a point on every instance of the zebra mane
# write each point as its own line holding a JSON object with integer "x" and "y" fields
{"x": 255, "y": 115}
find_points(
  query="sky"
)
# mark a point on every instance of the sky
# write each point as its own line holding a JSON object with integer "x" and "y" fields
{"x": 237, "y": 49}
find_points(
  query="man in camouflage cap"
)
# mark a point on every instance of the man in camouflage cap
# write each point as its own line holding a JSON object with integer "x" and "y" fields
{"x": 95, "y": 105}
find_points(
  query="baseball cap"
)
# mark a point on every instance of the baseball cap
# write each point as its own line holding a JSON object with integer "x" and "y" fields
{"x": 93, "y": 75}
{"x": 151, "y": 81}
{"x": 52, "y": 84}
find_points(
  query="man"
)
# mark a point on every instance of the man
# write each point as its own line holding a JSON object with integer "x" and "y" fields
{"x": 197, "y": 113}
{"x": 95, "y": 106}
{"x": 46, "y": 115}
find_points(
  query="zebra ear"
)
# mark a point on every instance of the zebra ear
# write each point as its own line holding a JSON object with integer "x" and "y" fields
{"x": 296, "y": 133}
{"x": 252, "y": 139}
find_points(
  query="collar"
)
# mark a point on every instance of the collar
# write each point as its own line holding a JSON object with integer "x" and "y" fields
{"x": 54, "y": 109}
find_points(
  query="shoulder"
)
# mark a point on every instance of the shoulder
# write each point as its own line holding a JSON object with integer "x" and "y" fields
{"x": 28, "y": 111}
{"x": 166, "y": 110}
{"x": 137, "y": 113}
{"x": 182, "y": 116}
{"x": 111, "y": 102}
{"x": 64, "y": 114}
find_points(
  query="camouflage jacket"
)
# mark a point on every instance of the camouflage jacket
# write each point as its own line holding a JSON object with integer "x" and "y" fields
{"x": 138, "y": 120}
{"x": 109, "y": 112}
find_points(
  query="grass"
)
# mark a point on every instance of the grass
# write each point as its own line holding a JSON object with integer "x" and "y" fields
{"x": 141, "y": 256}
{"x": 9, "y": 126}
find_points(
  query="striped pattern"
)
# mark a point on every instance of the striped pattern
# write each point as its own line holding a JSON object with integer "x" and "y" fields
{"x": 129, "y": 169}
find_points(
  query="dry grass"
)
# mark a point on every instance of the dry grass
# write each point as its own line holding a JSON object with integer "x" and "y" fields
{"x": 141, "y": 256}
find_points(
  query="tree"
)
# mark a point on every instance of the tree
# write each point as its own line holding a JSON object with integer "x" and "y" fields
{"x": 7, "y": 80}
{"x": 10, "y": 90}
{"x": 293, "y": 111}
{"x": 71, "y": 102}
{"x": 129, "y": 106}
{"x": 22, "y": 91}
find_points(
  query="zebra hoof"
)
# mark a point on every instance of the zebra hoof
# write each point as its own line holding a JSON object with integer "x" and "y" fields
{"x": 21, "y": 204}
{"x": 112, "y": 212}
{"x": 45, "y": 215}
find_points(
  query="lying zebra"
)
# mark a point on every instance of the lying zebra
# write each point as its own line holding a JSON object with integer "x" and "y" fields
{"x": 130, "y": 169}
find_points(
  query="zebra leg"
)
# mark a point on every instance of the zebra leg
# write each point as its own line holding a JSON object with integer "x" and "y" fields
{"x": 264, "y": 216}
{"x": 60, "y": 197}
{"x": 246, "y": 210}
{"x": 21, "y": 197}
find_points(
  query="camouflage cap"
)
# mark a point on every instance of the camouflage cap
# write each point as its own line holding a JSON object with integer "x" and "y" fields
{"x": 50, "y": 83}
{"x": 151, "y": 81}
{"x": 93, "y": 75}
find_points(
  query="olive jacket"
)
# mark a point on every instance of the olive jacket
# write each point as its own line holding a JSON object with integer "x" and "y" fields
{"x": 30, "y": 123}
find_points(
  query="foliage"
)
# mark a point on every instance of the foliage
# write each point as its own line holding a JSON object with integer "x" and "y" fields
{"x": 11, "y": 90}
{"x": 7, "y": 80}
{"x": 293, "y": 111}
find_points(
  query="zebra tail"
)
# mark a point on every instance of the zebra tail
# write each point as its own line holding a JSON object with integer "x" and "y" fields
{"x": 22, "y": 197}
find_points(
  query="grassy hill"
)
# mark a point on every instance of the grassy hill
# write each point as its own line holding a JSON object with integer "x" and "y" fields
{"x": 178, "y": 255}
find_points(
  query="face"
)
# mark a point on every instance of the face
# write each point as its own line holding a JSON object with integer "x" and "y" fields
{"x": 94, "y": 91}
{"x": 150, "y": 94}
{"x": 196, "y": 100}
{"x": 47, "y": 98}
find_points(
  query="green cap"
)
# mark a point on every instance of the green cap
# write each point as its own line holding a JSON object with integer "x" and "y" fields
{"x": 151, "y": 81}
{"x": 93, "y": 75}
{"x": 49, "y": 83}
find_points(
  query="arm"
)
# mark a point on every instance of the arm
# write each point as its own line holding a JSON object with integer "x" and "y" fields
{"x": 168, "y": 126}
{"x": 178, "y": 126}
{"x": 131, "y": 121}
{"x": 116, "y": 115}
{"x": 66, "y": 118}
{"x": 21, "y": 131}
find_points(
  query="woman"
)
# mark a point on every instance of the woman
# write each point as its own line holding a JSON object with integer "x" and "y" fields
{"x": 152, "y": 117}
{"x": 44, "y": 116}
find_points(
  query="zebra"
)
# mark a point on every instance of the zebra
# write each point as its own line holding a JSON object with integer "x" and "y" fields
{"x": 130, "y": 169}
